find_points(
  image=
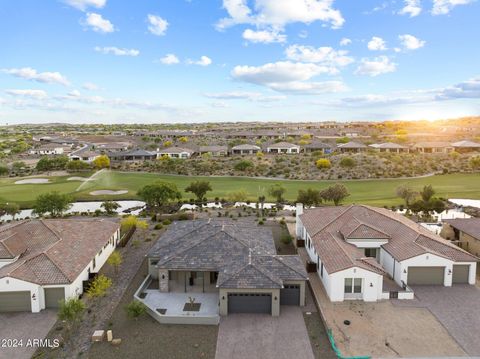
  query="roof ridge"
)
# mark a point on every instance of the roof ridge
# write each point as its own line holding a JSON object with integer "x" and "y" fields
{"x": 272, "y": 277}
{"x": 231, "y": 275}
{"x": 13, "y": 225}
{"x": 276, "y": 257}
{"x": 361, "y": 223}
{"x": 55, "y": 264}
{"x": 333, "y": 220}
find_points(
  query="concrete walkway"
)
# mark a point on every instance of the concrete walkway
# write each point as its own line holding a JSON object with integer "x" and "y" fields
{"x": 263, "y": 336}
{"x": 24, "y": 327}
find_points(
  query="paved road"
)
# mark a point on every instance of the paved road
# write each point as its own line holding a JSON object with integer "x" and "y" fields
{"x": 25, "y": 327}
{"x": 263, "y": 336}
{"x": 458, "y": 309}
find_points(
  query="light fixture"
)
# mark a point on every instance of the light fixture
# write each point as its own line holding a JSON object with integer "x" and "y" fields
{"x": 449, "y": 271}
{"x": 223, "y": 297}
{"x": 405, "y": 271}
{"x": 275, "y": 298}
{"x": 371, "y": 285}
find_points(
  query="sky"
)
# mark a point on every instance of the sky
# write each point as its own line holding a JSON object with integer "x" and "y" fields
{"x": 171, "y": 61}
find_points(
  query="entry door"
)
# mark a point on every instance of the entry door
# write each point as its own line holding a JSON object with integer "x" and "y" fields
{"x": 353, "y": 288}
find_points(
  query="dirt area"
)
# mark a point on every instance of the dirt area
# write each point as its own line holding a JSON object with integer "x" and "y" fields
{"x": 280, "y": 232}
{"x": 147, "y": 338}
{"x": 384, "y": 330}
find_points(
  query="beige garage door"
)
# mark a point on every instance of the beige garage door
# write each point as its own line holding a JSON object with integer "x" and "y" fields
{"x": 15, "y": 302}
{"x": 53, "y": 296}
{"x": 425, "y": 275}
{"x": 460, "y": 274}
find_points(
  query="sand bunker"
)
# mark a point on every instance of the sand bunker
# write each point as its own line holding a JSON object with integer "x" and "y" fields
{"x": 33, "y": 181}
{"x": 107, "y": 192}
{"x": 81, "y": 179}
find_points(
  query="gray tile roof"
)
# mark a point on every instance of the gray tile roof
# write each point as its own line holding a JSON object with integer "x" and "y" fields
{"x": 243, "y": 253}
{"x": 352, "y": 144}
{"x": 330, "y": 226}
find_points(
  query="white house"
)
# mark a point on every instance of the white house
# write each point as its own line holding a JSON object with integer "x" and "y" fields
{"x": 48, "y": 149}
{"x": 45, "y": 261}
{"x": 369, "y": 253}
{"x": 84, "y": 154}
{"x": 283, "y": 147}
{"x": 175, "y": 152}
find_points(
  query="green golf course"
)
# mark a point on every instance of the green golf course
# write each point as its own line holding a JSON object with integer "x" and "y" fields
{"x": 373, "y": 192}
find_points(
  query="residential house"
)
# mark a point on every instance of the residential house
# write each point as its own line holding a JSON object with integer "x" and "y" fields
{"x": 133, "y": 155}
{"x": 175, "y": 152}
{"x": 352, "y": 146}
{"x": 45, "y": 261}
{"x": 47, "y": 149}
{"x": 464, "y": 232}
{"x": 466, "y": 146}
{"x": 389, "y": 147}
{"x": 283, "y": 147}
{"x": 433, "y": 147}
{"x": 84, "y": 154}
{"x": 367, "y": 253}
{"x": 112, "y": 146}
{"x": 245, "y": 149}
{"x": 227, "y": 266}
{"x": 316, "y": 146}
{"x": 215, "y": 151}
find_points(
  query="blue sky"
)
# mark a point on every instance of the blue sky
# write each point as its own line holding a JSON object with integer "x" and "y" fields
{"x": 165, "y": 61}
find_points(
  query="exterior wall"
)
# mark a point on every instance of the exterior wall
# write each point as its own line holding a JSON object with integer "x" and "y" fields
{"x": 391, "y": 266}
{"x": 275, "y": 299}
{"x": 469, "y": 243}
{"x": 8, "y": 284}
{"x": 284, "y": 150}
{"x": 163, "y": 280}
{"x": 367, "y": 243}
{"x": 427, "y": 260}
{"x": 372, "y": 284}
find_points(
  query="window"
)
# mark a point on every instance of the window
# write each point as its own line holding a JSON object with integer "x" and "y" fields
{"x": 321, "y": 270}
{"x": 353, "y": 285}
{"x": 371, "y": 252}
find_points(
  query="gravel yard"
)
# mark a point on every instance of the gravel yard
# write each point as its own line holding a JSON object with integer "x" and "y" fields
{"x": 147, "y": 338}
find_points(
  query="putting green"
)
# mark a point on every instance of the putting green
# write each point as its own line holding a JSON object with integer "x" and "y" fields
{"x": 374, "y": 192}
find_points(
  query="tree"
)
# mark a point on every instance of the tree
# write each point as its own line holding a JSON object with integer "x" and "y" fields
{"x": 199, "y": 189}
{"x": 75, "y": 166}
{"x": 406, "y": 193}
{"x": 323, "y": 163}
{"x": 336, "y": 193}
{"x": 54, "y": 203}
{"x": 110, "y": 207}
{"x": 71, "y": 311}
{"x": 183, "y": 139}
{"x": 135, "y": 309}
{"x": 52, "y": 163}
{"x": 11, "y": 209}
{"x": 159, "y": 193}
{"x": 342, "y": 140}
{"x": 130, "y": 222}
{"x": 475, "y": 162}
{"x": 347, "y": 162}
{"x": 277, "y": 191}
{"x": 243, "y": 165}
{"x": 427, "y": 193}
{"x": 99, "y": 286}
{"x": 239, "y": 195}
{"x": 309, "y": 197}
{"x": 18, "y": 165}
{"x": 115, "y": 260}
{"x": 167, "y": 144}
{"x": 101, "y": 162}
{"x": 3, "y": 170}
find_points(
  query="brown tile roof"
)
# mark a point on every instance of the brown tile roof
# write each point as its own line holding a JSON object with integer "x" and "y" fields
{"x": 54, "y": 251}
{"x": 329, "y": 226}
{"x": 470, "y": 226}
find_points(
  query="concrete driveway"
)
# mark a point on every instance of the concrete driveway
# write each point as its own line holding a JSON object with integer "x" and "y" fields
{"x": 458, "y": 309}
{"x": 263, "y": 336}
{"x": 23, "y": 326}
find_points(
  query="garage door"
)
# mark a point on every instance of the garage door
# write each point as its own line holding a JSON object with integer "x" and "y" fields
{"x": 290, "y": 295}
{"x": 53, "y": 296}
{"x": 249, "y": 303}
{"x": 15, "y": 302}
{"x": 460, "y": 274}
{"x": 425, "y": 275}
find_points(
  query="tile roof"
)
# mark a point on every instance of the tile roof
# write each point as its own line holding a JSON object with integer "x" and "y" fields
{"x": 53, "y": 251}
{"x": 432, "y": 144}
{"x": 388, "y": 145}
{"x": 176, "y": 150}
{"x": 352, "y": 144}
{"x": 246, "y": 147}
{"x": 470, "y": 226}
{"x": 328, "y": 227}
{"x": 283, "y": 145}
{"x": 468, "y": 144}
{"x": 213, "y": 148}
{"x": 243, "y": 253}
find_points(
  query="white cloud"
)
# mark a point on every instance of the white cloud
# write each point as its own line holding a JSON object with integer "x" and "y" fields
{"x": 117, "y": 51}
{"x": 345, "y": 41}
{"x": 412, "y": 8}
{"x": 169, "y": 59}
{"x": 158, "y": 26}
{"x": 204, "y": 61}
{"x": 410, "y": 42}
{"x": 442, "y": 7}
{"x": 303, "y": 34}
{"x": 263, "y": 36}
{"x": 377, "y": 66}
{"x": 84, "y": 4}
{"x": 377, "y": 44}
{"x": 90, "y": 86}
{"x": 98, "y": 23}
{"x": 280, "y": 13}
{"x": 32, "y": 74}
{"x": 288, "y": 76}
{"x": 36, "y": 94}
{"x": 245, "y": 95}
{"x": 323, "y": 55}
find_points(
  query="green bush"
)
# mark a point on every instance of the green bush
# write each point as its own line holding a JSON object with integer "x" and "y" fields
{"x": 166, "y": 222}
{"x": 347, "y": 162}
{"x": 158, "y": 226}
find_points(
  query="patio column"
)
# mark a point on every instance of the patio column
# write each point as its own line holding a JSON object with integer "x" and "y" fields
{"x": 163, "y": 280}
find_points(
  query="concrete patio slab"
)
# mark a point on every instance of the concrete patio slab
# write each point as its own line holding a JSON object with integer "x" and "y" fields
{"x": 175, "y": 302}
{"x": 264, "y": 336}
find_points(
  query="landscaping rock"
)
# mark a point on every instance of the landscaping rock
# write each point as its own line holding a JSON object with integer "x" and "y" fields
{"x": 116, "y": 341}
